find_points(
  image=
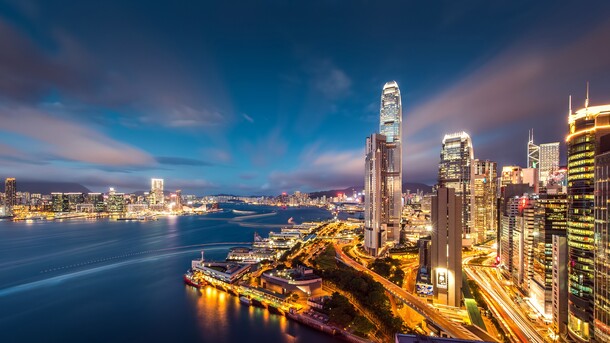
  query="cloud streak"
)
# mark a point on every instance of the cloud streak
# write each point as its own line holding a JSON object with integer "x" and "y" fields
{"x": 70, "y": 140}
{"x": 524, "y": 86}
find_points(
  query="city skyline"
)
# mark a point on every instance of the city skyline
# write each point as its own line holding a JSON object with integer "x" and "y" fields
{"x": 179, "y": 100}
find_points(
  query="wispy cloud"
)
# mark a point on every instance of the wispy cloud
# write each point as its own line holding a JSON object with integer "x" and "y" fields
{"x": 325, "y": 169}
{"x": 329, "y": 80}
{"x": 182, "y": 161}
{"x": 70, "y": 140}
{"x": 248, "y": 118}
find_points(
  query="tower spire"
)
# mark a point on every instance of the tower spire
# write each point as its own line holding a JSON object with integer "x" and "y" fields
{"x": 570, "y": 105}
{"x": 587, "y": 99}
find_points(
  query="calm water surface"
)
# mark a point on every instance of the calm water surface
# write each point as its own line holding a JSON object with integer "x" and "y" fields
{"x": 120, "y": 281}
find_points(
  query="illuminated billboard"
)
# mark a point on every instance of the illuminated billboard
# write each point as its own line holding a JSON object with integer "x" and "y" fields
{"x": 441, "y": 279}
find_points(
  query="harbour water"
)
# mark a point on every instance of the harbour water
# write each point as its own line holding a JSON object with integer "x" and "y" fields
{"x": 121, "y": 281}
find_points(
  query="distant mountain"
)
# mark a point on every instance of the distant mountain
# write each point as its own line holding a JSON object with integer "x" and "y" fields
{"x": 412, "y": 186}
{"x": 47, "y": 187}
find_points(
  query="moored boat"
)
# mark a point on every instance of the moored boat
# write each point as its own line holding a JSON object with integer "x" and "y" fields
{"x": 275, "y": 310}
{"x": 245, "y": 300}
{"x": 190, "y": 280}
{"x": 257, "y": 303}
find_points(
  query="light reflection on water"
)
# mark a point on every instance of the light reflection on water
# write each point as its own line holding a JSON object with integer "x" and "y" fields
{"x": 214, "y": 307}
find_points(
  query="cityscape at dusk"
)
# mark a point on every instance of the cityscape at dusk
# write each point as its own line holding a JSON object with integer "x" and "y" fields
{"x": 272, "y": 171}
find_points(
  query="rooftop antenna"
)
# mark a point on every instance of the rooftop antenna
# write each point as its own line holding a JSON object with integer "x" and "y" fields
{"x": 587, "y": 99}
{"x": 202, "y": 256}
{"x": 570, "y": 105}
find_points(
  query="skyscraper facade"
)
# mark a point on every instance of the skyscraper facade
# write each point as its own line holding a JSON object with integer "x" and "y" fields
{"x": 156, "y": 192}
{"x": 376, "y": 194}
{"x": 446, "y": 247}
{"x": 390, "y": 125}
{"x": 549, "y": 161}
{"x": 10, "y": 194}
{"x": 455, "y": 171}
{"x": 587, "y": 126}
{"x": 550, "y": 220}
{"x": 485, "y": 193}
{"x": 601, "y": 314}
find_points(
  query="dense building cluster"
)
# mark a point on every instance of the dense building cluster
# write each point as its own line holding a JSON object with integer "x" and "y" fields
{"x": 550, "y": 222}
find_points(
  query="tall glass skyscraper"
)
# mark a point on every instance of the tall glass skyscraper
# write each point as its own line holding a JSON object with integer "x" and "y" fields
{"x": 376, "y": 214}
{"x": 455, "y": 171}
{"x": 390, "y": 126}
{"x": 587, "y": 127}
{"x": 601, "y": 314}
{"x": 533, "y": 152}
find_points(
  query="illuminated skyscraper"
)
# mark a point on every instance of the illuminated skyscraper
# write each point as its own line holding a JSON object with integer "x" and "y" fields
{"x": 549, "y": 161}
{"x": 376, "y": 194}
{"x": 455, "y": 171}
{"x": 533, "y": 152}
{"x": 485, "y": 193}
{"x": 10, "y": 194}
{"x": 601, "y": 314}
{"x": 550, "y": 220}
{"x": 587, "y": 127}
{"x": 156, "y": 192}
{"x": 511, "y": 175}
{"x": 390, "y": 126}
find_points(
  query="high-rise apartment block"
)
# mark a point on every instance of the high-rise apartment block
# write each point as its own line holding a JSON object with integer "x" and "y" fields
{"x": 10, "y": 194}
{"x": 157, "y": 197}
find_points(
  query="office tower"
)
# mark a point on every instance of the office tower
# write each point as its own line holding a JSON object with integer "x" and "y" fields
{"x": 515, "y": 228}
{"x": 560, "y": 285}
{"x": 533, "y": 152}
{"x": 601, "y": 313}
{"x": 587, "y": 126}
{"x": 376, "y": 194}
{"x": 511, "y": 175}
{"x": 10, "y": 193}
{"x": 549, "y": 161}
{"x": 156, "y": 192}
{"x": 530, "y": 176}
{"x": 455, "y": 171}
{"x": 485, "y": 193}
{"x": 523, "y": 241}
{"x": 390, "y": 125}
{"x": 446, "y": 247}
{"x": 551, "y": 212}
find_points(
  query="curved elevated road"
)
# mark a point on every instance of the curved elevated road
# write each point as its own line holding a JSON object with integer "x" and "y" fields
{"x": 423, "y": 308}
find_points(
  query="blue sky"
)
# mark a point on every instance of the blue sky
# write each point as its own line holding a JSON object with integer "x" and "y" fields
{"x": 271, "y": 96}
